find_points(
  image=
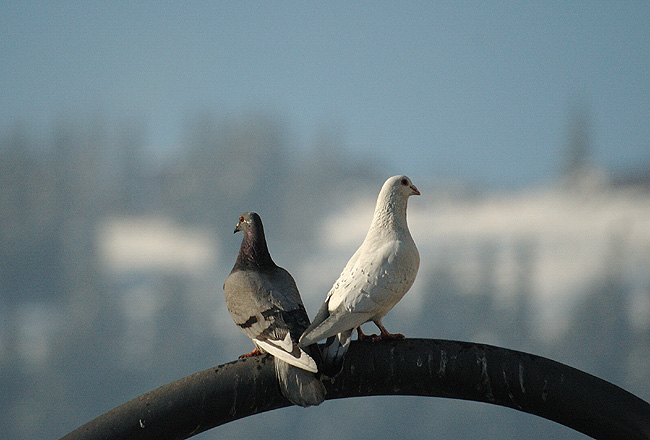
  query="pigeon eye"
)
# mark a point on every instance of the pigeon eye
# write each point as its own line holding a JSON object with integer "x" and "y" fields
{"x": 404, "y": 182}
{"x": 241, "y": 219}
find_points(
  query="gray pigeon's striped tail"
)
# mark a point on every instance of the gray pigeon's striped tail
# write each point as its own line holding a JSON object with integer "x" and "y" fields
{"x": 300, "y": 386}
{"x": 334, "y": 353}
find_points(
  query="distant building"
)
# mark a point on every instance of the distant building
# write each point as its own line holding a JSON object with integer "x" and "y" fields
{"x": 141, "y": 244}
{"x": 555, "y": 244}
{"x": 159, "y": 270}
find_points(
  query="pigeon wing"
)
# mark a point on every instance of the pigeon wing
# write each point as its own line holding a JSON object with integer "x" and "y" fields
{"x": 385, "y": 275}
{"x": 364, "y": 284}
{"x": 373, "y": 281}
{"x": 252, "y": 301}
{"x": 347, "y": 305}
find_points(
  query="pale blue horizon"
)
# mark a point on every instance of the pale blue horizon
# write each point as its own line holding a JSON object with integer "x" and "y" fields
{"x": 469, "y": 91}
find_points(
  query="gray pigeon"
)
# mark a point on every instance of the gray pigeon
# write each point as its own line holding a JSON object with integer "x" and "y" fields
{"x": 264, "y": 302}
{"x": 377, "y": 276}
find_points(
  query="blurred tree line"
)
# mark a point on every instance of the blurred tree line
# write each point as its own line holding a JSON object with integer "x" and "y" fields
{"x": 64, "y": 321}
{"x": 62, "y": 316}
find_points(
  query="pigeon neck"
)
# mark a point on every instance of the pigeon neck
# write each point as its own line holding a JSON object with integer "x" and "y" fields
{"x": 390, "y": 212}
{"x": 254, "y": 251}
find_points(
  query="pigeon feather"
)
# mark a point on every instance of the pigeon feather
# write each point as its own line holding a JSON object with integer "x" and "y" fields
{"x": 377, "y": 276}
{"x": 264, "y": 302}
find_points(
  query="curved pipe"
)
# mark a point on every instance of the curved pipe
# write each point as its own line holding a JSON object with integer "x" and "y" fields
{"x": 416, "y": 367}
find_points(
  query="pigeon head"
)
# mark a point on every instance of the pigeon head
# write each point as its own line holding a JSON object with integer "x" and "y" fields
{"x": 401, "y": 185}
{"x": 249, "y": 221}
{"x": 390, "y": 210}
{"x": 253, "y": 250}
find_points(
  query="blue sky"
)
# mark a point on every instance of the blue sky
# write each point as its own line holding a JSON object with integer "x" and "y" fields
{"x": 475, "y": 91}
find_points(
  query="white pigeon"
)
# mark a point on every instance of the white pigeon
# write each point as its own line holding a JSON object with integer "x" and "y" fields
{"x": 264, "y": 302}
{"x": 377, "y": 276}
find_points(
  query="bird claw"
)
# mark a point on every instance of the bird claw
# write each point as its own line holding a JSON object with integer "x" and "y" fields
{"x": 381, "y": 337}
{"x": 364, "y": 337}
{"x": 255, "y": 352}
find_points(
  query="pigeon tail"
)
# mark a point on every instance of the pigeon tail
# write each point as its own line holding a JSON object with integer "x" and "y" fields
{"x": 320, "y": 317}
{"x": 334, "y": 353}
{"x": 337, "y": 322}
{"x": 300, "y": 386}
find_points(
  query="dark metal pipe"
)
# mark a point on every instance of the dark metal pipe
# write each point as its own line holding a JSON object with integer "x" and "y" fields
{"x": 417, "y": 367}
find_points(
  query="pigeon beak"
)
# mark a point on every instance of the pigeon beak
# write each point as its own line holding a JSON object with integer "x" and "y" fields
{"x": 415, "y": 190}
{"x": 237, "y": 228}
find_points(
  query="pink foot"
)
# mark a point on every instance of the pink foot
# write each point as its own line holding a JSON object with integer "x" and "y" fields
{"x": 255, "y": 352}
{"x": 365, "y": 337}
{"x": 386, "y": 336}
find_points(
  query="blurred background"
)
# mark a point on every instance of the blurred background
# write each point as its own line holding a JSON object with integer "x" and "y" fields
{"x": 133, "y": 134}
